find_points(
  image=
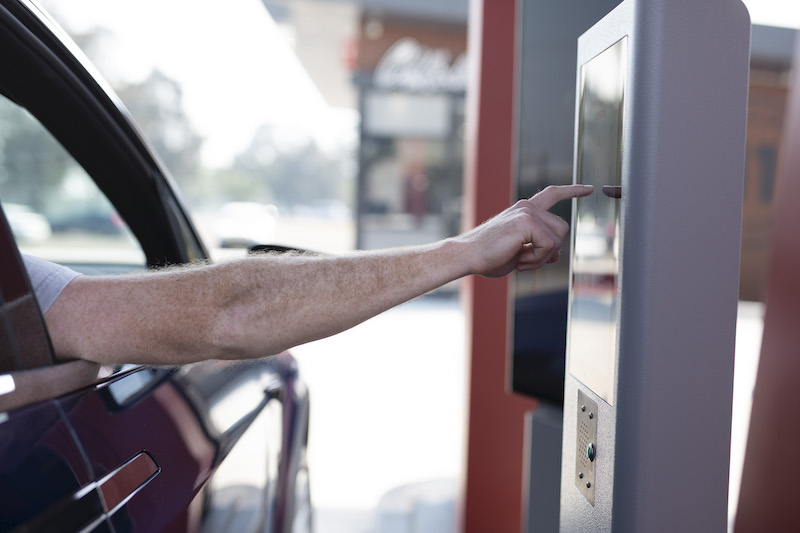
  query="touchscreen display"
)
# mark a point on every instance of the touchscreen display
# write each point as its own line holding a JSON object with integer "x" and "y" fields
{"x": 592, "y": 334}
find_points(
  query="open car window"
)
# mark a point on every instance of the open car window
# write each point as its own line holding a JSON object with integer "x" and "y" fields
{"x": 55, "y": 210}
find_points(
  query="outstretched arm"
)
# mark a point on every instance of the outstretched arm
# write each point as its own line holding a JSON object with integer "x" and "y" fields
{"x": 259, "y": 306}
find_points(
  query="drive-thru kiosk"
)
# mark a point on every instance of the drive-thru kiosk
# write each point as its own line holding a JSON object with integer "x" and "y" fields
{"x": 660, "y": 133}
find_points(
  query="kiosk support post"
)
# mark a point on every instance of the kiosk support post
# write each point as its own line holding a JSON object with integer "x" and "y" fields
{"x": 660, "y": 132}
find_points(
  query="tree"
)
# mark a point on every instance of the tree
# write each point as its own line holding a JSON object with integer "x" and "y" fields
{"x": 290, "y": 174}
{"x": 156, "y": 104}
{"x": 31, "y": 161}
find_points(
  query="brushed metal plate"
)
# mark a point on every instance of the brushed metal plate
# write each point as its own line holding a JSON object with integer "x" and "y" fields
{"x": 586, "y": 446}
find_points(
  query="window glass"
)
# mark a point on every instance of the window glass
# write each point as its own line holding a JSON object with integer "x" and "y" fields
{"x": 54, "y": 208}
{"x": 411, "y": 166}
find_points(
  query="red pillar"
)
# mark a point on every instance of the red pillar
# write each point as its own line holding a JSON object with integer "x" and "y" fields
{"x": 492, "y": 495}
{"x": 769, "y": 492}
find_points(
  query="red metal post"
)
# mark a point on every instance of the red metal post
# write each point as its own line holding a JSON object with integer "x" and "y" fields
{"x": 769, "y": 494}
{"x": 492, "y": 494}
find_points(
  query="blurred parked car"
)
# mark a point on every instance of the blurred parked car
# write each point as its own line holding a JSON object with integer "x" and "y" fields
{"x": 215, "y": 446}
{"x": 324, "y": 209}
{"x": 27, "y": 225}
{"x": 244, "y": 224}
{"x": 106, "y": 223}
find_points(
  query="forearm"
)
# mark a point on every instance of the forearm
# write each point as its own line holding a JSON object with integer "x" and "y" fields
{"x": 263, "y": 305}
{"x": 248, "y": 308}
{"x": 294, "y": 300}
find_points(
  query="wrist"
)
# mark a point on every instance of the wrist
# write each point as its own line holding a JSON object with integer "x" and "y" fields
{"x": 458, "y": 256}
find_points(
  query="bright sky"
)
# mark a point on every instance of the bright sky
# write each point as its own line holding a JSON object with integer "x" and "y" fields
{"x": 783, "y": 13}
{"x": 236, "y": 68}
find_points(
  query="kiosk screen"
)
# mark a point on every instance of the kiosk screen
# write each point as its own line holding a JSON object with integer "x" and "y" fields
{"x": 592, "y": 333}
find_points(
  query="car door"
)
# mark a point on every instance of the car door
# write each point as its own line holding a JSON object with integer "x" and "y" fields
{"x": 36, "y": 441}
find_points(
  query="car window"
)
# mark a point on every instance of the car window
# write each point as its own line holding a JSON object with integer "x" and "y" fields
{"x": 53, "y": 206}
{"x": 53, "y": 210}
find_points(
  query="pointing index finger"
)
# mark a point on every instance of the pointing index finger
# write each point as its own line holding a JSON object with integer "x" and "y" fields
{"x": 553, "y": 194}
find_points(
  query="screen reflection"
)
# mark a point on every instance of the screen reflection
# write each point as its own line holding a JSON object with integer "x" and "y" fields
{"x": 592, "y": 333}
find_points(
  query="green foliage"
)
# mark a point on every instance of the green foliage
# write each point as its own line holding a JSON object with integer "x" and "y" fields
{"x": 290, "y": 175}
{"x": 30, "y": 159}
{"x": 156, "y": 104}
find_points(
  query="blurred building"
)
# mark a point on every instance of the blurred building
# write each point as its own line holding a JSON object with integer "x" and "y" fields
{"x": 402, "y": 65}
{"x": 770, "y": 66}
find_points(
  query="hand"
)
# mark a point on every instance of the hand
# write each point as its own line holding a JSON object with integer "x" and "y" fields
{"x": 526, "y": 236}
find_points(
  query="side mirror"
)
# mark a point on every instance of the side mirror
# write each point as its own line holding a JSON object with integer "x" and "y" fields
{"x": 279, "y": 249}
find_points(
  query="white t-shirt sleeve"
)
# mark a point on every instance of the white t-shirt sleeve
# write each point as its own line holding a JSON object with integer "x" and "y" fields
{"x": 48, "y": 279}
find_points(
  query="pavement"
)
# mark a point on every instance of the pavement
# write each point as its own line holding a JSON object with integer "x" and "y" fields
{"x": 387, "y": 420}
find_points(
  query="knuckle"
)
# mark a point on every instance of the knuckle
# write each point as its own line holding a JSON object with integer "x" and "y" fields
{"x": 549, "y": 191}
{"x": 522, "y": 204}
{"x": 551, "y": 243}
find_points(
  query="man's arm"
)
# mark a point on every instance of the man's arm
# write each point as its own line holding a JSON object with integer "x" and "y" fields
{"x": 259, "y": 306}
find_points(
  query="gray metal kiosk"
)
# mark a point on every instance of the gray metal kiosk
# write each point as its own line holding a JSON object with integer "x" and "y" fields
{"x": 660, "y": 132}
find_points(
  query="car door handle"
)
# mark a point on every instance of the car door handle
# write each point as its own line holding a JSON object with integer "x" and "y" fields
{"x": 120, "y": 485}
{"x": 92, "y": 503}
